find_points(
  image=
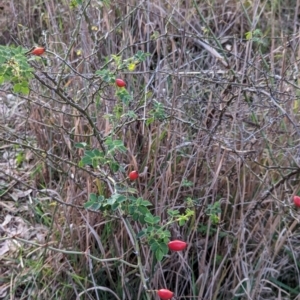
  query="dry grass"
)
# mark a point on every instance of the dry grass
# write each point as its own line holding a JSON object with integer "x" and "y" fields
{"x": 227, "y": 133}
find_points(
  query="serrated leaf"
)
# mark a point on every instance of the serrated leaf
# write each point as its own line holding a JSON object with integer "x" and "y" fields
{"x": 141, "y": 234}
{"x": 152, "y": 219}
{"x": 86, "y": 160}
{"x": 89, "y": 153}
{"x": 164, "y": 248}
{"x": 173, "y": 213}
{"x": 143, "y": 210}
{"x": 25, "y": 90}
{"x": 145, "y": 203}
{"x": 114, "y": 166}
{"x": 154, "y": 245}
{"x": 159, "y": 254}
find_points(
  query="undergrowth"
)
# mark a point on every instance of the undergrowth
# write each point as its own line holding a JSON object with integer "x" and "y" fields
{"x": 209, "y": 119}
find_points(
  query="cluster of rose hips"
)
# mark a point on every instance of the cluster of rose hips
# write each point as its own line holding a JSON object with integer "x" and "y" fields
{"x": 178, "y": 245}
{"x": 175, "y": 245}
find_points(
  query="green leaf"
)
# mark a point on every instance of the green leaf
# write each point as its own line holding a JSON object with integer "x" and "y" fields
{"x": 95, "y": 202}
{"x": 141, "y": 234}
{"x": 118, "y": 111}
{"x": 182, "y": 221}
{"x": 120, "y": 146}
{"x": 135, "y": 216}
{"x": 150, "y": 219}
{"x": 106, "y": 75}
{"x": 248, "y": 35}
{"x": 93, "y": 157}
{"x": 150, "y": 120}
{"x": 17, "y": 88}
{"x": 159, "y": 254}
{"x": 141, "y": 55}
{"x": 144, "y": 202}
{"x": 160, "y": 249}
{"x": 164, "y": 248}
{"x": 93, "y": 197}
{"x": 21, "y": 88}
{"x": 87, "y": 161}
{"x": 124, "y": 95}
{"x": 81, "y": 145}
{"x": 92, "y": 205}
{"x": 114, "y": 166}
{"x": 25, "y": 90}
{"x": 154, "y": 245}
{"x": 187, "y": 183}
{"x": 89, "y": 153}
{"x": 98, "y": 153}
{"x": 143, "y": 210}
{"x": 116, "y": 198}
{"x": 173, "y": 213}
{"x": 157, "y": 113}
{"x": 115, "y": 145}
{"x": 131, "y": 114}
{"x": 115, "y": 205}
{"x": 111, "y": 200}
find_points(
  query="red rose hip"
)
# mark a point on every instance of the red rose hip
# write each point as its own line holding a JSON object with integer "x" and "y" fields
{"x": 36, "y": 51}
{"x": 177, "y": 245}
{"x": 297, "y": 201}
{"x": 120, "y": 82}
{"x": 165, "y": 294}
{"x": 133, "y": 175}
